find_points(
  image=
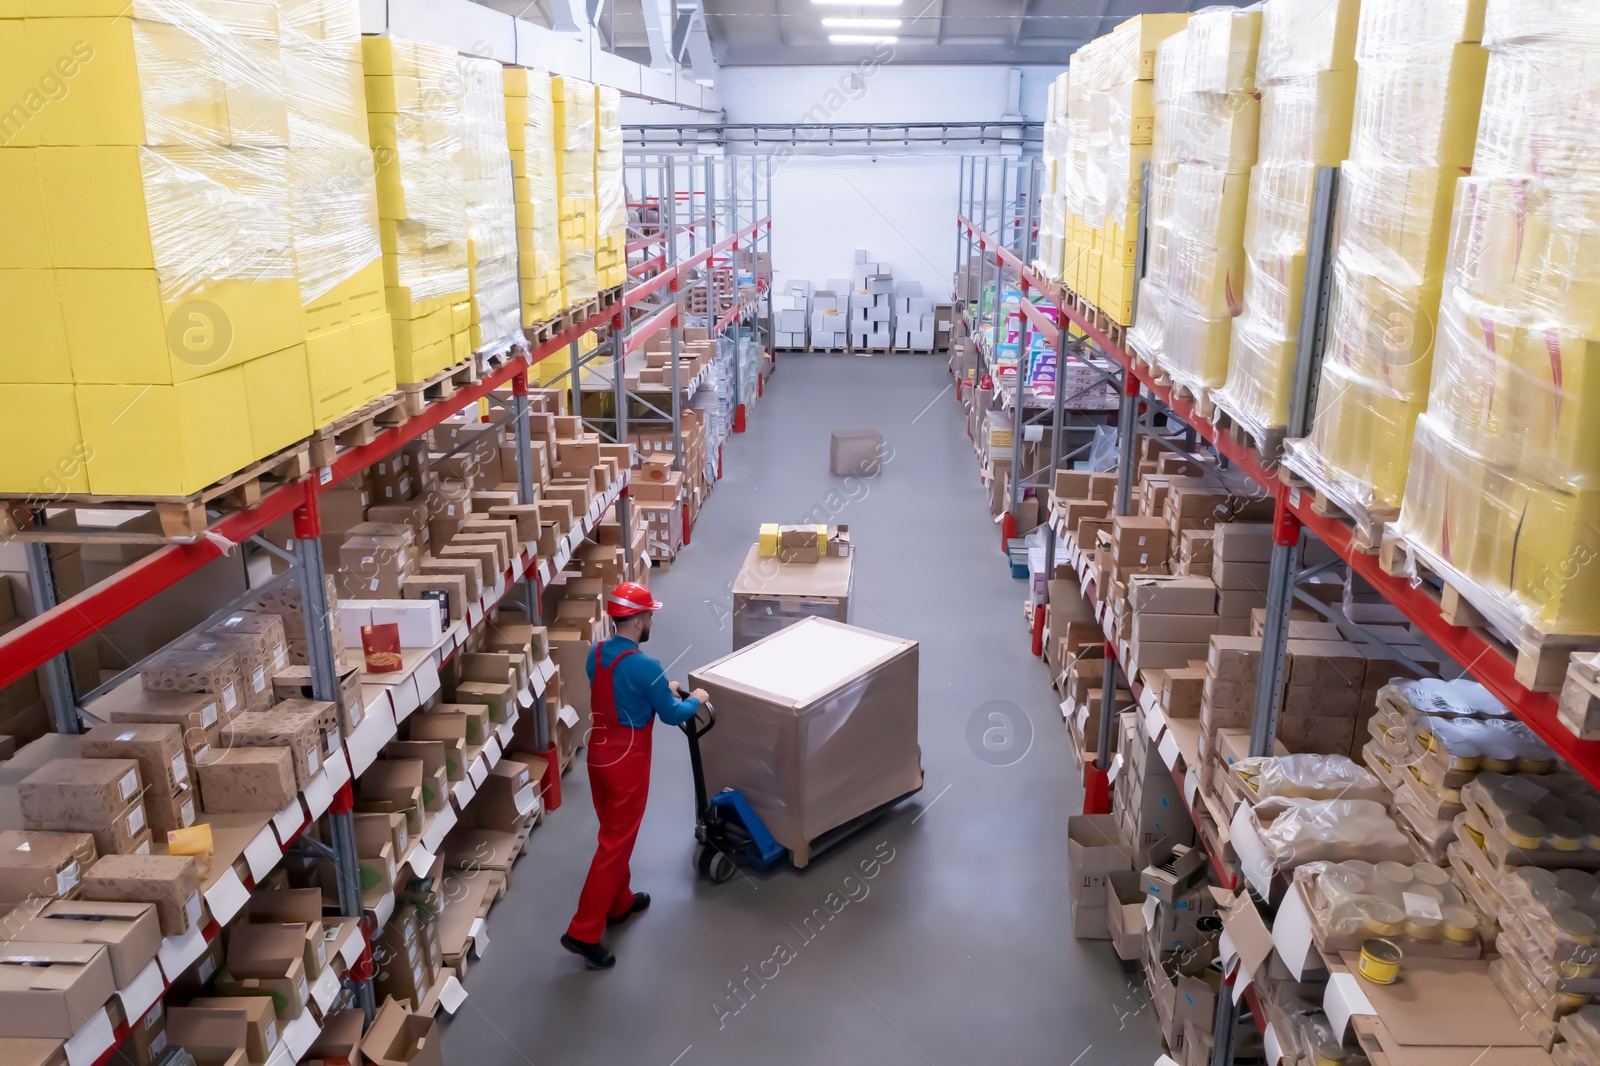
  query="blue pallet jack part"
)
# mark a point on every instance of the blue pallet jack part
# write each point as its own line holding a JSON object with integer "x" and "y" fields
{"x": 762, "y": 852}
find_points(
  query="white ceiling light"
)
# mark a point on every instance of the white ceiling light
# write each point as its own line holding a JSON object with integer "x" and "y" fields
{"x": 857, "y": 3}
{"x": 861, "y": 38}
{"x": 862, "y": 24}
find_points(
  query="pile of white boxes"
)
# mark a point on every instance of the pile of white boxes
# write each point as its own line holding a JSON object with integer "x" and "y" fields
{"x": 790, "y": 310}
{"x": 913, "y": 319}
{"x": 871, "y": 304}
{"x": 830, "y": 317}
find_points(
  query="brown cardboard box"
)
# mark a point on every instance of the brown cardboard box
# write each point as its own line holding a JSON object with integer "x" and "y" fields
{"x": 215, "y": 1037}
{"x": 130, "y": 932}
{"x": 1174, "y": 628}
{"x": 1181, "y": 691}
{"x": 261, "y": 1022}
{"x": 1325, "y": 663}
{"x": 41, "y": 864}
{"x": 399, "y": 1038}
{"x": 525, "y": 518}
{"x": 259, "y": 639}
{"x": 394, "y": 786}
{"x": 206, "y": 667}
{"x": 1238, "y": 603}
{"x": 449, "y": 589}
{"x": 1235, "y": 658}
{"x": 294, "y": 682}
{"x": 166, "y": 813}
{"x": 171, "y": 882}
{"x": 1162, "y": 594}
{"x": 507, "y": 796}
{"x": 242, "y": 780}
{"x": 501, "y": 553}
{"x": 468, "y": 569}
{"x": 487, "y": 556}
{"x": 157, "y": 748}
{"x": 302, "y": 726}
{"x": 499, "y": 697}
{"x": 1229, "y": 575}
{"x": 256, "y": 970}
{"x": 1244, "y": 542}
{"x": 197, "y": 715}
{"x": 371, "y": 565}
{"x": 52, "y": 990}
{"x": 72, "y": 790}
{"x": 339, "y": 1043}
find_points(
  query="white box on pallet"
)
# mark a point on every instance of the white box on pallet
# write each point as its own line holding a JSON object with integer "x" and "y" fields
{"x": 791, "y": 321}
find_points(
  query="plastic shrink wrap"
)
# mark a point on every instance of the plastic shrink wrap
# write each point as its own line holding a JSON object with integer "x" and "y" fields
{"x": 491, "y": 208}
{"x": 1306, "y": 74}
{"x": 1207, "y": 118}
{"x": 575, "y": 152}
{"x": 1296, "y": 831}
{"x": 1504, "y": 488}
{"x": 531, "y": 129}
{"x": 611, "y": 249}
{"x": 1418, "y": 92}
{"x": 1413, "y": 905}
{"x": 155, "y": 281}
{"x": 414, "y": 96}
{"x": 1309, "y": 776}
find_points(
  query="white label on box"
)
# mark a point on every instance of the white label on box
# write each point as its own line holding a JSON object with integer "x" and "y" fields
{"x": 525, "y": 697}
{"x": 1191, "y": 787}
{"x": 313, "y": 760}
{"x": 568, "y": 716}
{"x": 287, "y": 822}
{"x": 464, "y": 791}
{"x": 136, "y": 821}
{"x": 1149, "y": 911}
{"x": 479, "y": 934}
{"x": 1343, "y": 999}
{"x": 178, "y": 953}
{"x": 403, "y": 698}
{"x": 504, "y": 731}
{"x": 526, "y": 801}
{"x": 1169, "y": 751}
{"x": 491, "y": 750}
{"x": 269, "y": 1036}
{"x": 66, "y": 878}
{"x": 337, "y": 770}
{"x": 142, "y": 992}
{"x": 426, "y": 677}
{"x": 258, "y": 678}
{"x": 1116, "y": 766}
{"x": 180, "y": 768}
{"x": 230, "y": 699}
{"x": 353, "y": 945}
{"x": 1154, "y": 722}
{"x": 92, "y": 1041}
{"x": 477, "y": 772}
{"x": 326, "y": 990}
{"x": 1420, "y": 906}
{"x": 262, "y": 854}
{"x": 128, "y": 786}
{"x": 280, "y": 657}
{"x": 443, "y": 822}
{"x": 186, "y": 813}
{"x": 227, "y": 897}
{"x": 319, "y": 795}
{"x": 208, "y": 715}
{"x": 452, "y": 995}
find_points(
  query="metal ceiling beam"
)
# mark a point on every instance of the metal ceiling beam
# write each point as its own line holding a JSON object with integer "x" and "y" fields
{"x": 1022, "y": 17}
{"x": 658, "y": 31}
{"x": 689, "y": 38}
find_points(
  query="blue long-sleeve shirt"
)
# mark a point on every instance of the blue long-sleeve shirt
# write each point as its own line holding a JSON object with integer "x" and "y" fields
{"x": 640, "y": 687}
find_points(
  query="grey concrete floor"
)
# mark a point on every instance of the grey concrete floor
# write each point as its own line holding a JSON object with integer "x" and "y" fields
{"x": 960, "y": 949}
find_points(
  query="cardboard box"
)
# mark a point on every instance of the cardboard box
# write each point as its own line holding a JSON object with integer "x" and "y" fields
{"x": 130, "y": 932}
{"x": 52, "y": 990}
{"x": 769, "y": 594}
{"x": 242, "y": 780}
{"x": 1228, "y": 575}
{"x": 41, "y": 864}
{"x": 1234, "y": 658}
{"x": 1243, "y": 542}
{"x": 1094, "y": 850}
{"x": 1174, "y": 628}
{"x": 214, "y": 1036}
{"x": 171, "y": 882}
{"x": 399, "y": 1038}
{"x": 1124, "y": 906}
{"x": 261, "y": 1022}
{"x": 197, "y": 715}
{"x": 304, "y": 727}
{"x": 856, "y": 452}
{"x": 156, "y": 748}
{"x": 206, "y": 668}
{"x": 1163, "y": 594}
{"x": 1173, "y": 872}
{"x": 65, "y": 791}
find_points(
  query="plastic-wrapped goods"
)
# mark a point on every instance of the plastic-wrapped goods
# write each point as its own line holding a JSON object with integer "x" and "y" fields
{"x": 414, "y": 95}
{"x": 1580, "y": 1036}
{"x": 1310, "y": 777}
{"x": 611, "y": 251}
{"x": 333, "y": 208}
{"x": 1207, "y": 123}
{"x": 531, "y": 128}
{"x": 1418, "y": 94}
{"x": 1504, "y": 494}
{"x": 1307, "y": 79}
{"x": 575, "y": 148}
{"x": 1414, "y": 905}
{"x": 1297, "y": 831}
{"x": 1461, "y": 698}
{"x": 491, "y": 208}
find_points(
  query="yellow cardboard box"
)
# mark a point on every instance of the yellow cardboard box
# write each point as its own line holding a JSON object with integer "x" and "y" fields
{"x": 42, "y": 451}
{"x": 24, "y": 238}
{"x": 165, "y": 440}
{"x": 33, "y": 341}
{"x": 278, "y": 398}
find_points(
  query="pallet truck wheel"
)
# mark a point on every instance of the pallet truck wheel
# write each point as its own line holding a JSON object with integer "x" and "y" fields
{"x": 722, "y": 868}
{"x": 702, "y": 860}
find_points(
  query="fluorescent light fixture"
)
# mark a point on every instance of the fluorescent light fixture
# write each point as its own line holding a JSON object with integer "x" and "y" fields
{"x": 861, "y": 38}
{"x": 862, "y": 24}
{"x": 856, "y": 3}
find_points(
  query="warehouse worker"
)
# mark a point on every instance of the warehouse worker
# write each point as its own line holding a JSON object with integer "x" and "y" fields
{"x": 627, "y": 688}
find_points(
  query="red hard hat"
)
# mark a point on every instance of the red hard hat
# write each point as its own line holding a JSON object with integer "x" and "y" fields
{"x": 630, "y": 598}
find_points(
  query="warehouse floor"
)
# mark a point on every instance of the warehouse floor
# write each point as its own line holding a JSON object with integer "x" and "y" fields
{"x": 960, "y": 949}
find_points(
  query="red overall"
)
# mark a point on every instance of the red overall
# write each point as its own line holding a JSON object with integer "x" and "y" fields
{"x": 619, "y": 778}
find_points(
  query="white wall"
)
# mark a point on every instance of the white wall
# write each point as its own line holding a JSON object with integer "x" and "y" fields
{"x": 886, "y": 93}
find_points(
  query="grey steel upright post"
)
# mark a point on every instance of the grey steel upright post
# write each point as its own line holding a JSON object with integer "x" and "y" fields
{"x": 525, "y": 496}
{"x": 1286, "y": 531}
{"x": 1127, "y": 447}
{"x": 323, "y": 660}
{"x": 771, "y": 274}
{"x": 58, "y": 671}
{"x": 982, "y": 222}
{"x": 1024, "y": 369}
{"x": 676, "y": 335}
{"x": 620, "y": 397}
{"x": 1057, "y": 429}
{"x": 999, "y": 272}
{"x": 961, "y": 230}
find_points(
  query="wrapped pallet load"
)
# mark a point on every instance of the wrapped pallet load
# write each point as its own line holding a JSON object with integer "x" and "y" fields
{"x": 1207, "y": 119}
{"x": 491, "y": 208}
{"x": 1306, "y": 74}
{"x": 1504, "y": 485}
{"x": 575, "y": 144}
{"x": 1418, "y": 95}
{"x": 611, "y": 201}
{"x": 414, "y": 114}
{"x": 531, "y": 132}
{"x": 1053, "y": 193}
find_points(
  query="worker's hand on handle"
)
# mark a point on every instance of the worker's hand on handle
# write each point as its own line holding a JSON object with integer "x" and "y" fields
{"x": 677, "y": 689}
{"x": 702, "y": 695}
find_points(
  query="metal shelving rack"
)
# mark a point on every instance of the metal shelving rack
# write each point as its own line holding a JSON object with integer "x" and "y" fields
{"x": 43, "y": 641}
{"x": 1143, "y": 399}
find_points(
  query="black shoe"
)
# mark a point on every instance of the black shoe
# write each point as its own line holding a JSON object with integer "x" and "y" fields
{"x": 595, "y": 955}
{"x": 641, "y": 900}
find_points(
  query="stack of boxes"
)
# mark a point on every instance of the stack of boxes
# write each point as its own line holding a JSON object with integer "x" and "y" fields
{"x": 871, "y": 304}
{"x": 913, "y": 321}
{"x": 157, "y": 289}
{"x": 1503, "y": 486}
{"x": 531, "y": 131}
{"x": 611, "y": 249}
{"x": 1307, "y": 78}
{"x": 1110, "y": 124}
{"x": 1418, "y": 97}
{"x": 492, "y": 263}
{"x": 575, "y": 117}
{"x": 414, "y": 97}
{"x": 791, "y": 311}
{"x": 1207, "y": 121}
{"x": 1053, "y": 195}
{"x": 830, "y": 317}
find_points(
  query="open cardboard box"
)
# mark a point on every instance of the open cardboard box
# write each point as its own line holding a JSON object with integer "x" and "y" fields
{"x": 399, "y": 1038}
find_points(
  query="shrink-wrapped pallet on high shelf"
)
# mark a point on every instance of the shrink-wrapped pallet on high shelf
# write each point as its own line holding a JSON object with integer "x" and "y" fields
{"x": 1504, "y": 485}
{"x": 1418, "y": 93}
{"x": 611, "y": 201}
{"x": 414, "y": 114}
{"x": 575, "y": 145}
{"x": 491, "y": 208}
{"x": 531, "y": 132}
{"x": 153, "y": 283}
{"x": 1306, "y": 74}
{"x": 1053, "y": 191}
{"x": 1207, "y": 120}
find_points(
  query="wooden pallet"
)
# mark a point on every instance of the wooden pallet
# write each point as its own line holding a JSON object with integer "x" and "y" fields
{"x": 180, "y": 517}
{"x": 359, "y": 427}
{"x": 873, "y": 351}
{"x": 580, "y": 312}
{"x": 541, "y": 332}
{"x": 495, "y": 360}
{"x": 418, "y": 395}
{"x": 812, "y": 350}
{"x": 1204, "y": 406}
{"x": 610, "y": 297}
{"x": 1541, "y": 659}
{"x": 663, "y": 565}
{"x": 1267, "y": 443}
{"x": 1367, "y": 524}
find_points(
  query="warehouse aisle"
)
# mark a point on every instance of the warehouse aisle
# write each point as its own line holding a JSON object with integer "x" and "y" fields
{"x": 960, "y": 949}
